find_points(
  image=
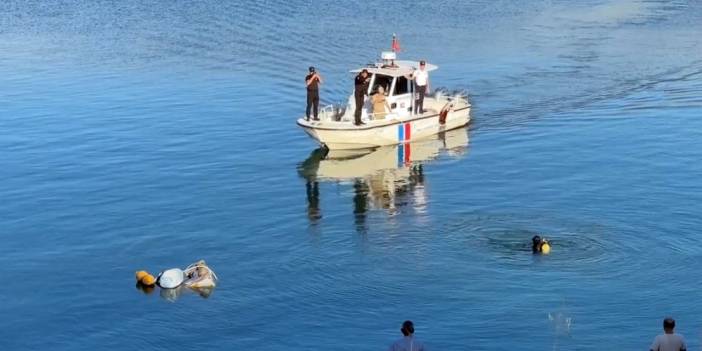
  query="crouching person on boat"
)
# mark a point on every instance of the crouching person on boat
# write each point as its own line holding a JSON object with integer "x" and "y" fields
{"x": 379, "y": 104}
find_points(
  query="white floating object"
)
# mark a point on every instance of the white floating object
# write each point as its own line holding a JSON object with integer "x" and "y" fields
{"x": 171, "y": 278}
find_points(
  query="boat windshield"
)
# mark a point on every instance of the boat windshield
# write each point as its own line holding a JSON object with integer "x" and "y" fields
{"x": 381, "y": 81}
{"x": 401, "y": 86}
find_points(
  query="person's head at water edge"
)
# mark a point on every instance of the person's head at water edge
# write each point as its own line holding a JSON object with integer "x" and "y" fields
{"x": 407, "y": 328}
{"x": 669, "y": 340}
{"x": 669, "y": 325}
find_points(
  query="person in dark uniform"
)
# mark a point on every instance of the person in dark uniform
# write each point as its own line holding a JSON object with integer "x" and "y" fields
{"x": 360, "y": 89}
{"x": 312, "y": 81}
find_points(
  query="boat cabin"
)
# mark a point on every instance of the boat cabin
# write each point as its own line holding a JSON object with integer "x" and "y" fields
{"x": 394, "y": 76}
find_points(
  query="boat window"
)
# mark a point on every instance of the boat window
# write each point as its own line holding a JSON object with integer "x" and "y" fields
{"x": 381, "y": 80}
{"x": 402, "y": 86}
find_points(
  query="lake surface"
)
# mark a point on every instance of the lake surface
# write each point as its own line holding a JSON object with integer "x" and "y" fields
{"x": 148, "y": 135}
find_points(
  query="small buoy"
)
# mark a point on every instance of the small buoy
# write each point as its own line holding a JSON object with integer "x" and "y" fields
{"x": 545, "y": 248}
{"x": 145, "y": 278}
{"x": 148, "y": 280}
{"x": 140, "y": 275}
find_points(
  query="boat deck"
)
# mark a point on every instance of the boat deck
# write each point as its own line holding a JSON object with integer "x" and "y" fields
{"x": 390, "y": 119}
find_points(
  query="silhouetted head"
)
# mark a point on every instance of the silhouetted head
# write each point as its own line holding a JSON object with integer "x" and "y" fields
{"x": 669, "y": 324}
{"x": 312, "y": 69}
{"x": 407, "y": 328}
{"x": 536, "y": 243}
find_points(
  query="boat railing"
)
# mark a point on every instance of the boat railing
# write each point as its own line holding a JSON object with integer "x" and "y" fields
{"x": 382, "y": 116}
{"x": 335, "y": 113}
{"x": 332, "y": 113}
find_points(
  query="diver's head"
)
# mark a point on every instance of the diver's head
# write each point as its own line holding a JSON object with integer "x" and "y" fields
{"x": 536, "y": 243}
{"x": 407, "y": 328}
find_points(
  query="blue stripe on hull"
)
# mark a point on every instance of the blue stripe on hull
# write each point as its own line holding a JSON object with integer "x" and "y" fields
{"x": 400, "y": 155}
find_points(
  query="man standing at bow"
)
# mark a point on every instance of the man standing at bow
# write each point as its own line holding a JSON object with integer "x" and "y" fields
{"x": 312, "y": 81}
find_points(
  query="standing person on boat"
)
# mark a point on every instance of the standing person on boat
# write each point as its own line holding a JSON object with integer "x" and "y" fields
{"x": 421, "y": 84}
{"x": 360, "y": 88}
{"x": 408, "y": 341}
{"x": 669, "y": 341}
{"x": 379, "y": 104}
{"x": 312, "y": 81}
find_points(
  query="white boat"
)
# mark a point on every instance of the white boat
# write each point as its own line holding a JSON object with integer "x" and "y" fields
{"x": 442, "y": 112}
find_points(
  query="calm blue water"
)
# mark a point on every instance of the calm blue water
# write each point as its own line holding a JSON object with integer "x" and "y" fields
{"x": 148, "y": 135}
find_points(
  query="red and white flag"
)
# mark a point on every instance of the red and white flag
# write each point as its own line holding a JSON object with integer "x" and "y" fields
{"x": 395, "y": 44}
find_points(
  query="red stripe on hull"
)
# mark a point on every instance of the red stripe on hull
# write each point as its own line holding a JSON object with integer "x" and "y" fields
{"x": 408, "y": 151}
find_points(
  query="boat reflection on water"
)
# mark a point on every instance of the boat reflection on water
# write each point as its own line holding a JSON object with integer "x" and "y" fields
{"x": 385, "y": 178}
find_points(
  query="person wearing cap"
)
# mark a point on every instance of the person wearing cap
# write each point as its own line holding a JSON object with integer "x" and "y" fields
{"x": 360, "y": 89}
{"x": 421, "y": 84}
{"x": 669, "y": 341}
{"x": 312, "y": 81}
{"x": 408, "y": 341}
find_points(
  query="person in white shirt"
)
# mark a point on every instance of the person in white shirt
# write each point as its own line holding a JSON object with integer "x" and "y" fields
{"x": 669, "y": 341}
{"x": 421, "y": 84}
{"x": 408, "y": 341}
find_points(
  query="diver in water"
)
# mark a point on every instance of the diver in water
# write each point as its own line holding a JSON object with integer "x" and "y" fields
{"x": 540, "y": 245}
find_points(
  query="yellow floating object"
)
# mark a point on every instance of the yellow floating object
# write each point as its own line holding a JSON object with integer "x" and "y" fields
{"x": 140, "y": 275}
{"x": 545, "y": 248}
{"x": 148, "y": 280}
{"x": 145, "y": 278}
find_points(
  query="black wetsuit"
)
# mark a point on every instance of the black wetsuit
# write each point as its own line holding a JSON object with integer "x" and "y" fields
{"x": 419, "y": 102}
{"x": 360, "y": 88}
{"x": 312, "y": 96}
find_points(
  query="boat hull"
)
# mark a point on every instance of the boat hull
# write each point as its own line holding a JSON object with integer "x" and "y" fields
{"x": 338, "y": 135}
